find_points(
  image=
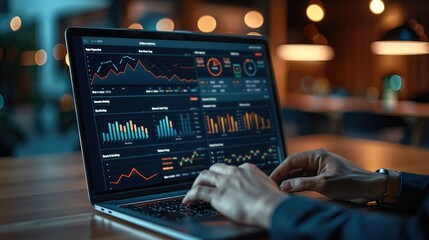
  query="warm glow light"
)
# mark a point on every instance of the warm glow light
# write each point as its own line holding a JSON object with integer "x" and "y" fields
{"x": 59, "y": 51}
{"x": 136, "y": 26}
{"x": 165, "y": 24}
{"x": 15, "y": 23}
{"x": 305, "y": 52}
{"x": 207, "y": 23}
{"x": 254, "y": 19}
{"x": 400, "y": 48}
{"x": 40, "y": 57}
{"x": 315, "y": 13}
{"x": 254, "y": 34}
{"x": 376, "y": 6}
{"x": 27, "y": 58}
{"x": 66, "y": 59}
{"x": 66, "y": 103}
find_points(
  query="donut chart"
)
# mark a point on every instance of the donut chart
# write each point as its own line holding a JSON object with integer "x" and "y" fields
{"x": 214, "y": 67}
{"x": 249, "y": 67}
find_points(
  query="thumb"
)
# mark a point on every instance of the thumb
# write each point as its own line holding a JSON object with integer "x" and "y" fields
{"x": 299, "y": 184}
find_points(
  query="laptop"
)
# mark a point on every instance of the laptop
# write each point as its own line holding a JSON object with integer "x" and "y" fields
{"x": 154, "y": 109}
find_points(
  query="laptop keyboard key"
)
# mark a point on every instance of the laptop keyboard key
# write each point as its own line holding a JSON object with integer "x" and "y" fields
{"x": 172, "y": 209}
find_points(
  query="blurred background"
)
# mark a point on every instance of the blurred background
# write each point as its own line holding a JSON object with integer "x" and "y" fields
{"x": 358, "y": 68}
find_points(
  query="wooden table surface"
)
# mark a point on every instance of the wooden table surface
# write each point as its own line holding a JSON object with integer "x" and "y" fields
{"x": 334, "y": 107}
{"x": 45, "y": 197}
{"x": 326, "y": 104}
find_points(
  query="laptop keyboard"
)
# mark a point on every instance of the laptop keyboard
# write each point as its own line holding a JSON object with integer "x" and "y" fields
{"x": 172, "y": 209}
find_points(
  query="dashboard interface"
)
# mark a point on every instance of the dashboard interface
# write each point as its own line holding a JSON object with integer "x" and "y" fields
{"x": 160, "y": 111}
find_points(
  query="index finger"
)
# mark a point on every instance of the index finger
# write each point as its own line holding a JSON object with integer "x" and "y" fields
{"x": 292, "y": 162}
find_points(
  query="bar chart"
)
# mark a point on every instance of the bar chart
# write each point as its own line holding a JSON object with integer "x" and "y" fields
{"x": 175, "y": 126}
{"x": 126, "y": 131}
{"x": 253, "y": 121}
{"x": 221, "y": 124}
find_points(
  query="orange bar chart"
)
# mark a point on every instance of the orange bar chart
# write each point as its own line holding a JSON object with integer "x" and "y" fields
{"x": 253, "y": 121}
{"x": 221, "y": 124}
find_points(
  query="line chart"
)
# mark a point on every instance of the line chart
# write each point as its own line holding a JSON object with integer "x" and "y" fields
{"x": 191, "y": 159}
{"x": 245, "y": 155}
{"x": 133, "y": 171}
{"x": 186, "y": 160}
{"x": 140, "y": 69}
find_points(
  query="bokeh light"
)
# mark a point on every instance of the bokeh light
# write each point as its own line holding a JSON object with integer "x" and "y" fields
{"x": 305, "y": 52}
{"x": 59, "y": 51}
{"x": 254, "y": 19}
{"x": 40, "y": 57}
{"x": 66, "y": 103}
{"x": 207, "y": 23}
{"x": 315, "y": 13}
{"x": 15, "y": 23}
{"x": 396, "y": 82}
{"x": 135, "y": 26}
{"x": 254, "y": 34}
{"x": 320, "y": 40}
{"x": 400, "y": 47}
{"x": 66, "y": 59}
{"x": 165, "y": 24}
{"x": 376, "y": 6}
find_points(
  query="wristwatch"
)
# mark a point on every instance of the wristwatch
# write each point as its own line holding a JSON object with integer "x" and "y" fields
{"x": 393, "y": 185}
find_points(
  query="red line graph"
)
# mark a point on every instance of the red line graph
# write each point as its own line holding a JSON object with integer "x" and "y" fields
{"x": 133, "y": 171}
{"x": 127, "y": 65}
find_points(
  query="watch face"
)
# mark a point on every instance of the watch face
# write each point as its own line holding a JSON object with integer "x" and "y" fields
{"x": 382, "y": 171}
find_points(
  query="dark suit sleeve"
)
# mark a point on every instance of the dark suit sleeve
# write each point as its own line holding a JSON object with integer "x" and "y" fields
{"x": 303, "y": 218}
{"x": 414, "y": 190}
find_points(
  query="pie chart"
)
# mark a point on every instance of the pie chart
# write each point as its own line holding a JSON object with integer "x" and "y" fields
{"x": 214, "y": 66}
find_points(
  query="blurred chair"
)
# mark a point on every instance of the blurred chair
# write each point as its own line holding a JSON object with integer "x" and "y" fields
{"x": 10, "y": 135}
{"x": 373, "y": 126}
{"x": 298, "y": 123}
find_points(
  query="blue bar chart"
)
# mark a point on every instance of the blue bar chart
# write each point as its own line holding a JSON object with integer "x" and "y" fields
{"x": 180, "y": 125}
{"x": 127, "y": 131}
{"x": 165, "y": 128}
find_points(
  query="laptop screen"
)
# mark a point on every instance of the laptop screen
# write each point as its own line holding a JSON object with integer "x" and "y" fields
{"x": 158, "y": 112}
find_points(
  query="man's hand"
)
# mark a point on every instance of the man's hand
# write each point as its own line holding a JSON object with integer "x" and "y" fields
{"x": 244, "y": 194}
{"x": 330, "y": 175}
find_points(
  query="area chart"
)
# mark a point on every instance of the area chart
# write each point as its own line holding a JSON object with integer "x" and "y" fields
{"x": 140, "y": 69}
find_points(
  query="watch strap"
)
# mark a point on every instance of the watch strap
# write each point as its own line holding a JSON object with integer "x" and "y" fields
{"x": 391, "y": 192}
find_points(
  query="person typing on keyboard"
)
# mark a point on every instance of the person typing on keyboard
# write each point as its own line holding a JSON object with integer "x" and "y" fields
{"x": 246, "y": 195}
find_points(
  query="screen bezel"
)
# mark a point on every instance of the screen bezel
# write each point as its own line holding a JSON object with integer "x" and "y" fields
{"x": 72, "y": 32}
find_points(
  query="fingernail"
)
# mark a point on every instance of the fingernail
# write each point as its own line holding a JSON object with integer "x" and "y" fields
{"x": 286, "y": 186}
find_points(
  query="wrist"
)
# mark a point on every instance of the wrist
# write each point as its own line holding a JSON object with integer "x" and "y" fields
{"x": 378, "y": 186}
{"x": 267, "y": 206}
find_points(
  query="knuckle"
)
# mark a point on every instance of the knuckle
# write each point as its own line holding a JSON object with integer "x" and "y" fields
{"x": 213, "y": 166}
{"x": 248, "y": 165}
{"x": 320, "y": 153}
{"x": 204, "y": 172}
